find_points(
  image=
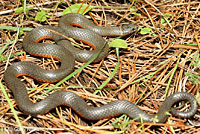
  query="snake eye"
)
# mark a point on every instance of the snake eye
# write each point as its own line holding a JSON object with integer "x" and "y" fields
{"x": 129, "y": 28}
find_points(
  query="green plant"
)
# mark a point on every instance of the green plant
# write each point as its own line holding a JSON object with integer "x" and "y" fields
{"x": 194, "y": 76}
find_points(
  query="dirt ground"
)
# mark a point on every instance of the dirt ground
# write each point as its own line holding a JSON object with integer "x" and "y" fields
{"x": 160, "y": 59}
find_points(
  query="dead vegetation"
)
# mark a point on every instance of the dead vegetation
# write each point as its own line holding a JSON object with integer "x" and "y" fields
{"x": 160, "y": 62}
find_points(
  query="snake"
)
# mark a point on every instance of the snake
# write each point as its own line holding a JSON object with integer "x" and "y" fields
{"x": 80, "y": 28}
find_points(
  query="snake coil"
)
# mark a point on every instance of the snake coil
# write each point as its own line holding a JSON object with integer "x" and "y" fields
{"x": 89, "y": 33}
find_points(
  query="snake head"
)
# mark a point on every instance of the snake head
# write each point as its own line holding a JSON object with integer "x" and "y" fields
{"x": 129, "y": 28}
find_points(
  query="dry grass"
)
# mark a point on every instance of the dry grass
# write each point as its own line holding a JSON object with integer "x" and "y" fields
{"x": 165, "y": 50}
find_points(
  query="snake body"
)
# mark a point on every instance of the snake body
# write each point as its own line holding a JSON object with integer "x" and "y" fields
{"x": 66, "y": 54}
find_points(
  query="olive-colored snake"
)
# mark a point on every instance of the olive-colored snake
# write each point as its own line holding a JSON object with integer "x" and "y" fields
{"x": 89, "y": 33}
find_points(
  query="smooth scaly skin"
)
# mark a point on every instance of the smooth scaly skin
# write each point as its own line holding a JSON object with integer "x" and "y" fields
{"x": 67, "y": 62}
{"x": 90, "y": 34}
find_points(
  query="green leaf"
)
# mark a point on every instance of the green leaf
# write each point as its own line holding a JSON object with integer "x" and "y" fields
{"x": 145, "y": 30}
{"x": 195, "y": 60}
{"x": 192, "y": 44}
{"x": 154, "y": 119}
{"x": 74, "y": 9}
{"x": 28, "y": 9}
{"x": 15, "y": 28}
{"x": 118, "y": 43}
{"x": 21, "y": 32}
{"x": 135, "y": 13}
{"x": 115, "y": 122}
{"x": 163, "y": 21}
{"x": 41, "y": 16}
{"x": 168, "y": 14}
{"x": 2, "y": 58}
{"x": 193, "y": 78}
{"x": 19, "y": 10}
{"x": 154, "y": 34}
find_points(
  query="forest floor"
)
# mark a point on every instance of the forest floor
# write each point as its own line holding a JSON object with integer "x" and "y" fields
{"x": 160, "y": 59}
